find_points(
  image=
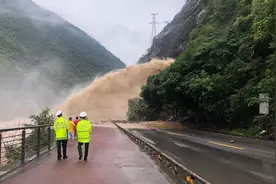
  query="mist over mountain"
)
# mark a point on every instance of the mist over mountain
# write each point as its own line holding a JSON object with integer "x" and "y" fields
{"x": 42, "y": 57}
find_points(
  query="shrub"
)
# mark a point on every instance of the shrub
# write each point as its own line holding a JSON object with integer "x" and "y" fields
{"x": 138, "y": 110}
{"x": 13, "y": 150}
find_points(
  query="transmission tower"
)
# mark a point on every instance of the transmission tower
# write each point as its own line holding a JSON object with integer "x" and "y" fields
{"x": 154, "y": 22}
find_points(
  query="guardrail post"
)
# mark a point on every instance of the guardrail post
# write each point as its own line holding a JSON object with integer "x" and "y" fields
{"x": 0, "y": 148}
{"x": 192, "y": 180}
{"x": 38, "y": 143}
{"x": 49, "y": 138}
{"x": 23, "y": 143}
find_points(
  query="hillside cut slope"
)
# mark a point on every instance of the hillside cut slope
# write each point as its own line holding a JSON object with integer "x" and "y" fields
{"x": 172, "y": 40}
{"x": 42, "y": 54}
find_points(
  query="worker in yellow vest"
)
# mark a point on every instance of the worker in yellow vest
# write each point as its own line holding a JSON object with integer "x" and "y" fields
{"x": 61, "y": 127}
{"x": 84, "y": 130}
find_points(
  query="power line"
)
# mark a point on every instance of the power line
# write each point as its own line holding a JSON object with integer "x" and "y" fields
{"x": 154, "y": 22}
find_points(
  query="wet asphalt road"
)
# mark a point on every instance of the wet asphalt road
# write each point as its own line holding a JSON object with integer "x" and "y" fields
{"x": 247, "y": 161}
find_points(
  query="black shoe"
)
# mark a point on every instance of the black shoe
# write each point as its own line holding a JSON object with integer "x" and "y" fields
{"x": 65, "y": 157}
{"x": 80, "y": 157}
{"x": 59, "y": 158}
{"x": 85, "y": 159}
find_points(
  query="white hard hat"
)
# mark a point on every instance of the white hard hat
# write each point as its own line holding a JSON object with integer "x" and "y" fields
{"x": 59, "y": 112}
{"x": 83, "y": 114}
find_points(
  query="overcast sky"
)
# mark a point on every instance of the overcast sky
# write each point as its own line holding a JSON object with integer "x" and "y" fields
{"x": 121, "y": 26}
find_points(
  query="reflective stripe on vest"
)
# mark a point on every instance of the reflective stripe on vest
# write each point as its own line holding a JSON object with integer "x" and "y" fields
{"x": 83, "y": 130}
{"x": 61, "y": 130}
{"x": 63, "y": 126}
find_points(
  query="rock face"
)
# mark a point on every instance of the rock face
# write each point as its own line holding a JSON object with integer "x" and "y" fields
{"x": 171, "y": 41}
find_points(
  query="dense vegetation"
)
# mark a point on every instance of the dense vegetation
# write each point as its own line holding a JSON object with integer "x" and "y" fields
{"x": 31, "y": 36}
{"x": 138, "y": 110}
{"x": 216, "y": 81}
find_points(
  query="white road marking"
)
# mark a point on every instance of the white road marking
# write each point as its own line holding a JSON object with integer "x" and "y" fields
{"x": 187, "y": 146}
{"x": 144, "y": 138}
{"x": 148, "y": 140}
{"x": 181, "y": 145}
{"x": 264, "y": 176}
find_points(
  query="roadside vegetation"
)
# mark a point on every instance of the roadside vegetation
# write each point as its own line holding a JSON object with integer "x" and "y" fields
{"x": 13, "y": 147}
{"x": 215, "y": 83}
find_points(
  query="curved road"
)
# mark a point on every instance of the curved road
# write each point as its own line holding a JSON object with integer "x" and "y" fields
{"x": 214, "y": 158}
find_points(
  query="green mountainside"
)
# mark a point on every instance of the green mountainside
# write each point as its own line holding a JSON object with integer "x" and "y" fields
{"x": 30, "y": 35}
{"x": 42, "y": 56}
{"x": 227, "y": 62}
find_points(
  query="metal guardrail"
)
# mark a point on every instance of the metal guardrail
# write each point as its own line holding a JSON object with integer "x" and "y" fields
{"x": 176, "y": 171}
{"x": 19, "y": 146}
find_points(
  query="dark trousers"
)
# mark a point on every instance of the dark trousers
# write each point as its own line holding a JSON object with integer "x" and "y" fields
{"x": 62, "y": 143}
{"x": 86, "y": 146}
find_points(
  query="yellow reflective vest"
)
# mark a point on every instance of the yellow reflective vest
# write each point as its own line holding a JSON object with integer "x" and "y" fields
{"x": 61, "y": 126}
{"x": 84, "y": 130}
